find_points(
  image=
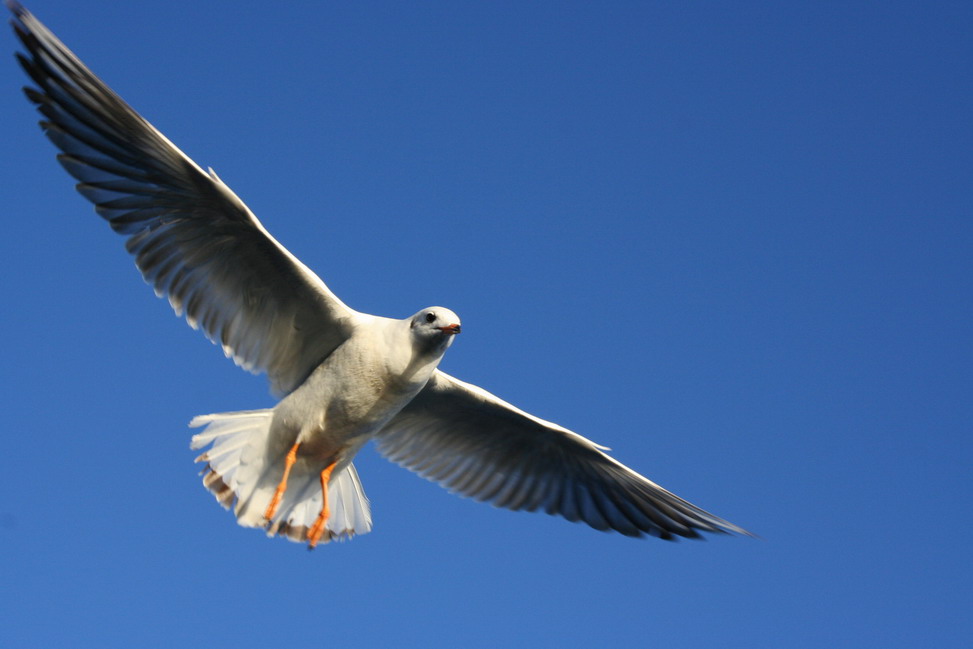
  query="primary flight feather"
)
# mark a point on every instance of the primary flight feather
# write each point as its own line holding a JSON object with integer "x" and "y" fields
{"x": 344, "y": 377}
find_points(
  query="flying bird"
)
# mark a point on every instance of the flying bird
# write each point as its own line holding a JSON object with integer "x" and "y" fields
{"x": 343, "y": 377}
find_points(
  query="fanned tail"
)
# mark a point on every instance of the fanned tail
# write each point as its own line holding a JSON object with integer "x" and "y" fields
{"x": 242, "y": 473}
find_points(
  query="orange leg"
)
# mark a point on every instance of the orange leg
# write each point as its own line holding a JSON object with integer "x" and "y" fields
{"x": 282, "y": 485}
{"x": 317, "y": 530}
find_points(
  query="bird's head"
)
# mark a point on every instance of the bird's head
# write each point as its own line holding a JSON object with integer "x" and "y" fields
{"x": 433, "y": 328}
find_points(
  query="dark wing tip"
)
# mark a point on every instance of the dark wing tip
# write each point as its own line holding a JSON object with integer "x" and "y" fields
{"x": 16, "y": 8}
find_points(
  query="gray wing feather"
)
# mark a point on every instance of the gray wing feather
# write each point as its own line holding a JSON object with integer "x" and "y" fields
{"x": 475, "y": 444}
{"x": 192, "y": 238}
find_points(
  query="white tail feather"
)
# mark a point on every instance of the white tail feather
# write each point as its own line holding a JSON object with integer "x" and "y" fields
{"x": 242, "y": 474}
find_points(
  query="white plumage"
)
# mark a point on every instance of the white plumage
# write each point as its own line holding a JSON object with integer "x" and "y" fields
{"x": 344, "y": 377}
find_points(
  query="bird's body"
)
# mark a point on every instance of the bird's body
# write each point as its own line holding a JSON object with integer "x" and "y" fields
{"x": 387, "y": 370}
{"x": 344, "y": 377}
{"x": 345, "y": 401}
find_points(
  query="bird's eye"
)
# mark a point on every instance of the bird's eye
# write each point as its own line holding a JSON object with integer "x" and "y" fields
{"x": 430, "y": 317}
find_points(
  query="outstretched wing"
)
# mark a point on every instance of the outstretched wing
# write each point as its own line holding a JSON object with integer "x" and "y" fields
{"x": 193, "y": 239}
{"x": 473, "y": 443}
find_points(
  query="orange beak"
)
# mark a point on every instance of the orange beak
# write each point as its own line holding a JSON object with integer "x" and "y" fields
{"x": 452, "y": 329}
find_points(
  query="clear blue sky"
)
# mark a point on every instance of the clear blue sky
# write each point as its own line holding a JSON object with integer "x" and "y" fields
{"x": 732, "y": 241}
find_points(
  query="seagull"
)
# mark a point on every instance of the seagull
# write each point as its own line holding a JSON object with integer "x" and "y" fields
{"x": 343, "y": 377}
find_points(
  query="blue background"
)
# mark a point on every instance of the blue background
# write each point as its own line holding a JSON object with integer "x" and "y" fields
{"x": 732, "y": 241}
